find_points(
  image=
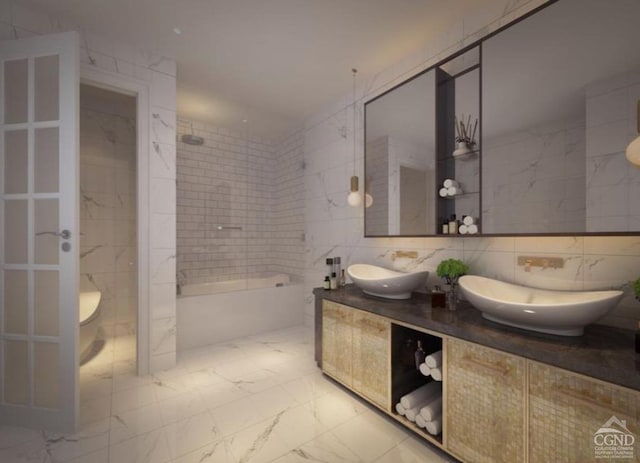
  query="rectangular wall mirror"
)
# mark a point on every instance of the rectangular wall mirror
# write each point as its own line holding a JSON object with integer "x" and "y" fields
{"x": 400, "y": 170}
{"x": 556, "y": 96}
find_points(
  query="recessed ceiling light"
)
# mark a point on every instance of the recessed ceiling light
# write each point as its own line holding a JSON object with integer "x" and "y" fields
{"x": 245, "y": 120}
{"x": 177, "y": 30}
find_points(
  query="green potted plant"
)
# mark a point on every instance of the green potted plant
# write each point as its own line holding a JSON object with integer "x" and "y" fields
{"x": 451, "y": 270}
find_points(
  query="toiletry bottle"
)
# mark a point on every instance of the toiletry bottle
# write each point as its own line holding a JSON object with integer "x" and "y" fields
{"x": 445, "y": 228}
{"x": 438, "y": 298}
{"x": 334, "y": 281}
{"x": 327, "y": 282}
{"x": 337, "y": 266}
{"x": 330, "y": 265}
{"x": 419, "y": 355}
{"x": 407, "y": 356}
{"x": 453, "y": 225}
{"x": 343, "y": 278}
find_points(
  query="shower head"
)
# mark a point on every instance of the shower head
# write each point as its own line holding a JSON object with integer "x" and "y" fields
{"x": 191, "y": 139}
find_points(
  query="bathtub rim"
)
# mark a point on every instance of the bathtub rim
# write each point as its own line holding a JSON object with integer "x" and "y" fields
{"x": 277, "y": 280}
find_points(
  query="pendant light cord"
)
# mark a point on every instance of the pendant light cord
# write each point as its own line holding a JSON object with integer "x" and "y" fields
{"x": 354, "y": 70}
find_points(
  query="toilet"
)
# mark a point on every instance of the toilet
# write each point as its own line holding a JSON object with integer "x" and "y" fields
{"x": 89, "y": 321}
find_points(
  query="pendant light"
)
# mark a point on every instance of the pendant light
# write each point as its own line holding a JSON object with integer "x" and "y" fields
{"x": 354, "y": 199}
{"x": 633, "y": 150}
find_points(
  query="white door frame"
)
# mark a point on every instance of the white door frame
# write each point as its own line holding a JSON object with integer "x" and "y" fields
{"x": 119, "y": 83}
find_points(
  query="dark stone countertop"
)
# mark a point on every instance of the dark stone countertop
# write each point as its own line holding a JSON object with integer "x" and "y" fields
{"x": 603, "y": 352}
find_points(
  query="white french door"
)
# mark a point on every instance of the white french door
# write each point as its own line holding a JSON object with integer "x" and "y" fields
{"x": 39, "y": 228}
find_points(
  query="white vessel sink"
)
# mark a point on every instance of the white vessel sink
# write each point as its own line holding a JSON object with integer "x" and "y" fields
{"x": 564, "y": 313}
{"x": 382, "y": 282}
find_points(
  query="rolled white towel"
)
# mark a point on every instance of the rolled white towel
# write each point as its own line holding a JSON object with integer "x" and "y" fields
{"x": 413, "y": 413}
{"x": 468, "y": 220}
{"x": 436, "y": 373}
{"x": 454, "y": 190}
{"x": 443, "y": 192}
{"x": 421, "y": 395}
{"x": 400, "y": 409}
{"x": 433, "y": 427}
{"x": 448, "y": 183}
{"x": 434, "y": 360}
{"x": 424, "y": 369}
{"x": 420, "y": 421}
{"x": 463, "y": 229}
{"x": 432, "y": 410}
{"x": 473, "y": 229}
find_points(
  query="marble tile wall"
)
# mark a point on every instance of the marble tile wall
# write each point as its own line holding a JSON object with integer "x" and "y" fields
{"x": 235, "y": 181}
{"x": 335, "y": 229}
{"x": 158, "y": 74}
{"x": 613, "y": 186}
{"x": 108, "y": 247}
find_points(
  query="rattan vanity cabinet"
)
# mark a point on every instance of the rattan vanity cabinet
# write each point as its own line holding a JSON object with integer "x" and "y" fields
{"x": 371, "y": 357}
{"x": 485, "y": 403}
{"x": 566, "y": 410}
{"x": 337, "y": 341}
{"x": 356, "y": 351}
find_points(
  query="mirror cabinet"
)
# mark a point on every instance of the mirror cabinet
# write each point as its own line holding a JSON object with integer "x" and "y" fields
{"x": 554, "y": 96}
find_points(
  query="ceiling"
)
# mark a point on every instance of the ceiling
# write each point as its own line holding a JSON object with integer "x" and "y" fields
{"x": 272, "y": 62}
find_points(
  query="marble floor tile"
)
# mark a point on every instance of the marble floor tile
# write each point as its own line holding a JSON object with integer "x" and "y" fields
{"x": 309, "y": 387}
{"x": 326, "y": 448}
{"x": 181, "y": 406}
{"x": 334, "y": 408}
{"x": 217, "y": 452}
{"x": 146, "y": 448}
{"x": 128, "y": 424}
{"x": 368, "y": 436}
{"x": 297, "y": 426}
{"x": 133, "y": 398}
{"x": 412, "y": 450}
{"x": 258, "y": 399}
{"x": 237, "y": 415}
{"x": 191, "y": 433}
{"x": 258, "y": 443}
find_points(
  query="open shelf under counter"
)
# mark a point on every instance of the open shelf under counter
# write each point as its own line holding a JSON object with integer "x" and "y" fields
{"x": 405, "y": 376}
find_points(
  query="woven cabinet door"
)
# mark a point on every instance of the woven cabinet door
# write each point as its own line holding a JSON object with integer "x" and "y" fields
{"x": 371, "y": 357}
{"x": 337, "y": 340}
{"x": 485, "y": 404}
{"x": 569, "y": 415}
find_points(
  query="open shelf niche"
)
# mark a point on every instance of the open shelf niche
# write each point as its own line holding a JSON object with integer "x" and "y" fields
{"x": 405, "y": 377}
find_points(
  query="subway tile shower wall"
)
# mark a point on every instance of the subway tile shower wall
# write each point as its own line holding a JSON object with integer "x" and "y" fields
{"x": 236, "y": 181}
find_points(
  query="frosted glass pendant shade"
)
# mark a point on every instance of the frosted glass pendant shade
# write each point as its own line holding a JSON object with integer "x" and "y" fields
{"x": 354, "y": 199}
{"x": 633, "y": 152}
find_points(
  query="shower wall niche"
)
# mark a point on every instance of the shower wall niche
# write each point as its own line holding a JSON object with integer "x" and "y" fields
{"x": 108, "y": 253}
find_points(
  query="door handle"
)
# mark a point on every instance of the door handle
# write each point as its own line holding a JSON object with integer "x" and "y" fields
{"x": 64, "y": 234}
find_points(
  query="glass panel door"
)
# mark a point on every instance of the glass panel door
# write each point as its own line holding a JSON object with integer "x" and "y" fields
{"x": 39, "y": 84}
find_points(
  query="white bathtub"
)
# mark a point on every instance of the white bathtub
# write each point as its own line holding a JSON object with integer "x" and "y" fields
{"x": 217, "y": 287}
{"x": 211, "y": 312}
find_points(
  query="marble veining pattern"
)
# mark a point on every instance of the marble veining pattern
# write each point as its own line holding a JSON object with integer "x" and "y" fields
{"x": 190, "y": 413}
